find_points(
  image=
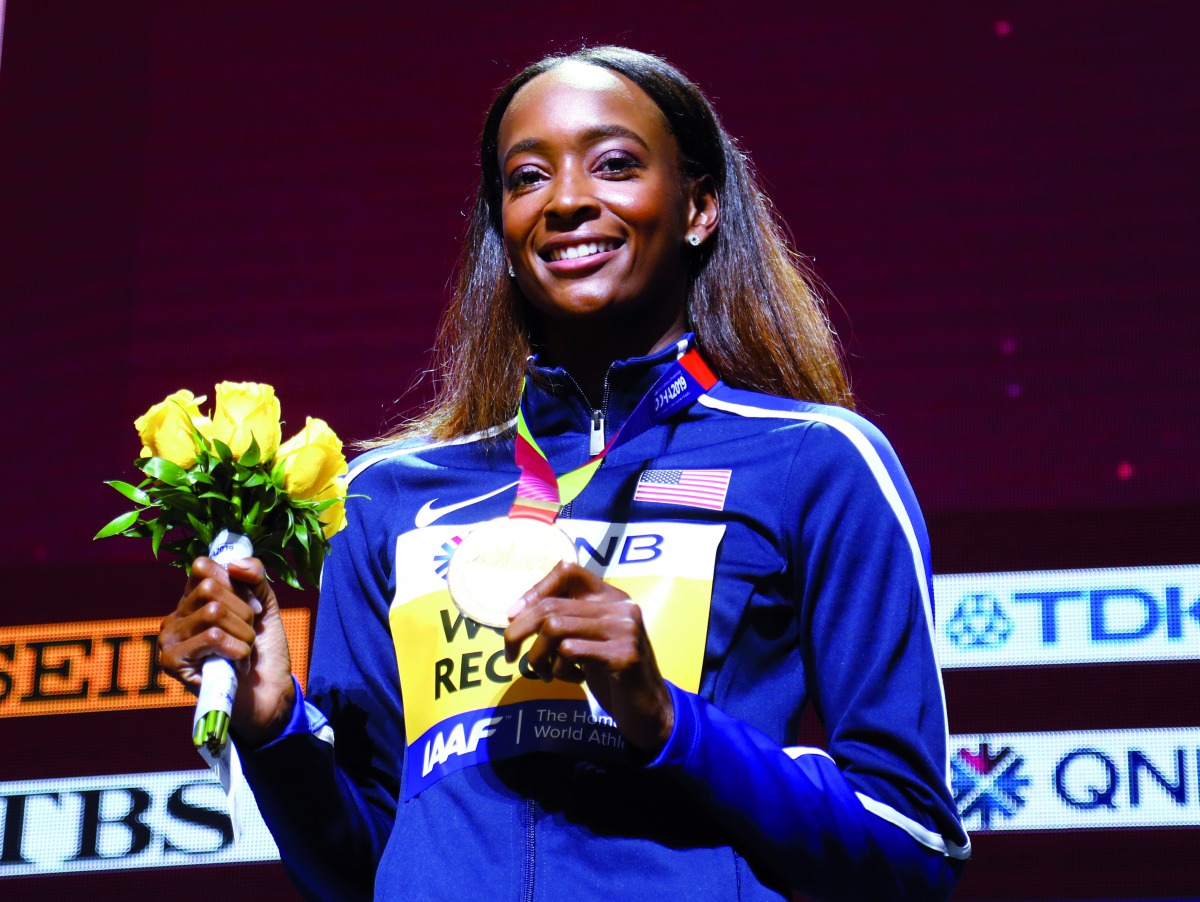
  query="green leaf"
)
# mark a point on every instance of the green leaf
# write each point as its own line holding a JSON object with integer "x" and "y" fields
{"x": 317, "y": 560}
{"x": 158, "y": 529}
{"x": 165, "y": 471}
{"x": 198, "y": 476}
{"x": 183, "y": 500}
{"x": 288, "y": 575}
{"x": 302, "y": 532}
{"x": 132, "y": 492}
{"x": 118, "y": 525}
{"x": 198, "y": 439}
{"x": 251, "y": 456}
{"x": 138, "y": 530}
{"x": 202, "y": 531}
{"x": 255, "y": 479}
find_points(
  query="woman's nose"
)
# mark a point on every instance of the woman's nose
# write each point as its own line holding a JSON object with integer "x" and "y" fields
{"x": 571, "y": 195}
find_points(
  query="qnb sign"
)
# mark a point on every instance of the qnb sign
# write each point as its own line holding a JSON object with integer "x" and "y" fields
{"x": 1065, "y": 781}
{"x": 127, "y": 821}
{"x": 1068, "y": 616}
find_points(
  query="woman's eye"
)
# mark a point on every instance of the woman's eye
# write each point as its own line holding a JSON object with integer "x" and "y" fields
{"x": 617, "y": 164}
{"x": 524, "y": 178}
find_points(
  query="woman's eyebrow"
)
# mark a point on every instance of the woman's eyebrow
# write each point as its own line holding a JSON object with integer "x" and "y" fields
{"x": 589, "y": 136}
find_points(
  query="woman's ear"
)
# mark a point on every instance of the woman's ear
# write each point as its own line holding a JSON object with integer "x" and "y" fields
{"x": 704, "y": 210}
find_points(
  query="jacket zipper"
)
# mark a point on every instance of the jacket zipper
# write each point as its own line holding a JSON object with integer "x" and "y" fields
{"x": 530, "y": 817}
{"x": 596, "y": 437}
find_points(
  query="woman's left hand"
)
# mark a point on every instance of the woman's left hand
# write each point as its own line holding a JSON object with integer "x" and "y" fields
{"x": 590, "y": 631}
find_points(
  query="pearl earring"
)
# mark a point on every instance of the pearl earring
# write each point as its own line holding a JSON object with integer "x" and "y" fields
{"x": 512, "y": 273}
{"x": 693, "y": 240}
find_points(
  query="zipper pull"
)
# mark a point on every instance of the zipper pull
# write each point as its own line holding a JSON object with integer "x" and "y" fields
{"x": 596, "y": 439}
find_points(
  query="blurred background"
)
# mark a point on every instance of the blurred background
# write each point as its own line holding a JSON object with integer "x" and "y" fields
{"x": 1001, "y": 197}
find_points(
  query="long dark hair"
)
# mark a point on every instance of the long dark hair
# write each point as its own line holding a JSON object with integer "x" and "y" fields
{"x": 758, "y": 321}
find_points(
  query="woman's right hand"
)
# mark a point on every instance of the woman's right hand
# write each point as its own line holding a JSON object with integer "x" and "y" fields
{"x": 215, "y": 617}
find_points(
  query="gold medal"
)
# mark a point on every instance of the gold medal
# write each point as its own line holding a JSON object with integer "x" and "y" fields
{"x": 500, "y": 561}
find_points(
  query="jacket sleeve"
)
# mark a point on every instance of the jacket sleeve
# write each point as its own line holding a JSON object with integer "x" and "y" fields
{"x": 873, "y": 818}
{"x": 330, "y": 800}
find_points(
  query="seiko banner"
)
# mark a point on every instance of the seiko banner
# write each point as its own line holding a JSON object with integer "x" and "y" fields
{"x": 1072, "y": 781}
{"x": 127, "y": 821}
{"x": 1068, "y": 616}
{"x": 102, "y": 665}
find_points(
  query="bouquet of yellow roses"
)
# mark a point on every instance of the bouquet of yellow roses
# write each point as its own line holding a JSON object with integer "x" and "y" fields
{"x": 230, "y": 471}
{"x": 225, "y": 486}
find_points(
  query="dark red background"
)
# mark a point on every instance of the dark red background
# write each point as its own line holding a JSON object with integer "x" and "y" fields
{"x": 1002, "y": 197}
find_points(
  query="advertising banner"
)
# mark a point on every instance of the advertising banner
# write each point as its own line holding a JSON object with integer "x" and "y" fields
{"x": 128, "y": 821}
{"x": 103, "y": 665}
{"x": 1077, "y": 780}
{"x": 1068, "y": 617}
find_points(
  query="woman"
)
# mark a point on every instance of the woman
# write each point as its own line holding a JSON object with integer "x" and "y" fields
{"x": 768, "y": 534}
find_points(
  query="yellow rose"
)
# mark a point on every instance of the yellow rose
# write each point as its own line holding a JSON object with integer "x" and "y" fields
{"x": 245, "y": 409}
{"x": 333, "y": 518}
{"x": 166, "y": 428}
{"x": 311, "y": 459}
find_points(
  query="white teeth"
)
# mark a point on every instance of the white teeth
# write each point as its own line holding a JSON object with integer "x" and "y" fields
{"x": 575, "y": 251}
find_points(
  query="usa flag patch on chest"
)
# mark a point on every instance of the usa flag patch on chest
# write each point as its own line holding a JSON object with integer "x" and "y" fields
{"x": 692, "y": 488}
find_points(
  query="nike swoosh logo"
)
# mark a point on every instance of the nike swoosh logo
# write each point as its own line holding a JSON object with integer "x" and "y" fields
{"x": 428, "y": 513}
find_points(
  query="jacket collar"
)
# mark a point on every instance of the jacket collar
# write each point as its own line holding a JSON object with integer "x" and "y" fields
{"x": 555, "y": 405}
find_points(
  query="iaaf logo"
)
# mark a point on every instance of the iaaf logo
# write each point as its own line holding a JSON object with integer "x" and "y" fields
{"x": 988, "y": 784}
{"x": 439, "y": 749}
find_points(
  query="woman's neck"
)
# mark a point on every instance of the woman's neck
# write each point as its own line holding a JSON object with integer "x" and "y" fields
{"x": 587, "y": 349}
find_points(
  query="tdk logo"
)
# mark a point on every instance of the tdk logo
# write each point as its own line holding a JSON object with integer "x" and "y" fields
{"x": 979, "y": 621}
{"x": 1114, "y": 614}
{"x": 1082, "y": 616}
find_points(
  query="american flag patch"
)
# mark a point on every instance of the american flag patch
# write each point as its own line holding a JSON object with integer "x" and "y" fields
{"x": 693, "y": 488}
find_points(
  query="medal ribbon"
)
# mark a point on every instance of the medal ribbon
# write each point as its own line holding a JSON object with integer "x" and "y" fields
{"x": 541, "y": 494}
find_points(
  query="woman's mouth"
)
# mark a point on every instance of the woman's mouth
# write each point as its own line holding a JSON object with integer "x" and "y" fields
{"x": 583, "y": 249}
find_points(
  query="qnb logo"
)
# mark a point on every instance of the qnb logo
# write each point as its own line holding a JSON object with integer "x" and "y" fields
{"x": 1087, "y": 779}
{"x": 988, "y": 784}
{"x": 441, "y": 560}
{"x": 979, "y": 622}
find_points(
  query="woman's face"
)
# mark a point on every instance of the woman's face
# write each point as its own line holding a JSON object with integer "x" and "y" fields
{"x": 595, "y": 209}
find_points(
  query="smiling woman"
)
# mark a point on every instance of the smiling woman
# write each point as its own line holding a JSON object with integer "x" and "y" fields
{"x": 596, "y": 216}
{"x": 702, "y": 541}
